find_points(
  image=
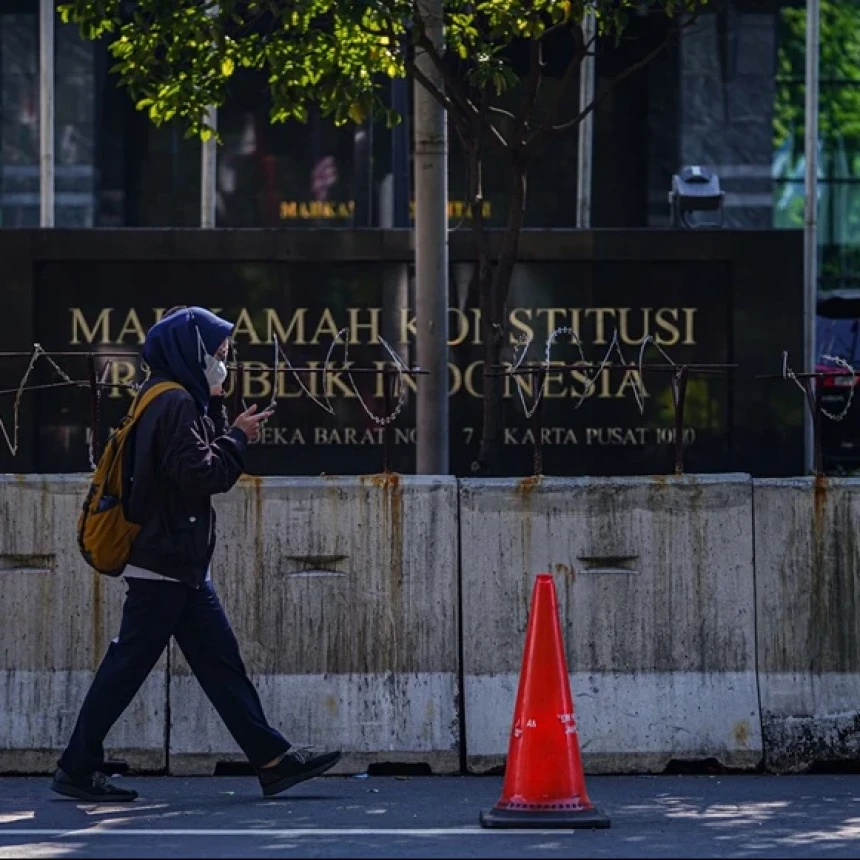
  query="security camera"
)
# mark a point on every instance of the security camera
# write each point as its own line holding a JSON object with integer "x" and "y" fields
{"x": 695, "y": 190}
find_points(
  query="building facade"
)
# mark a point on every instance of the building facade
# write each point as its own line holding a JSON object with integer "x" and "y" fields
{"x": 729, "y": 96}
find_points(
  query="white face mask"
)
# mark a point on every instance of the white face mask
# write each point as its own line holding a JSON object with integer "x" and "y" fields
{"x": 215, "y": 370}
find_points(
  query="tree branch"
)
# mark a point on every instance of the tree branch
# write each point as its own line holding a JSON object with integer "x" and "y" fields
{"x": 630, "y": 70}
{"x": 581, "y": 48}
{"x": 461, "y": 123}
{"x": 440, "y": 95}
{"x": 530, "y": 91}
{"x": 581, "y": 51}
{"x": 551, "y": 126}
{"x": 559, "y": 26}
{"x": 453, "y": 85}
{"x": 448, "y": 98}
{"x": 476, "y": 201}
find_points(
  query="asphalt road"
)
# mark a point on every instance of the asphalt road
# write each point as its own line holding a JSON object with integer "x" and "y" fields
{"x": 381, "y": 817}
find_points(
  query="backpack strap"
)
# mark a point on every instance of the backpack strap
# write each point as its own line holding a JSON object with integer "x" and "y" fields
{"x": 141, "y": 401}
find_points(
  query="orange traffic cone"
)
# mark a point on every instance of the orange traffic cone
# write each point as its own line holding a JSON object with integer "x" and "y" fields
{"x": 544, "y": 783}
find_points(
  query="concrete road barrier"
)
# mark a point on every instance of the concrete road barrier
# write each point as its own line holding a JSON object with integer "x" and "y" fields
{"x": 655, "y": 585}
{"x": 808, "y": 607}
{"x": 57, "y": 618}
{"x": 343, "y": 595}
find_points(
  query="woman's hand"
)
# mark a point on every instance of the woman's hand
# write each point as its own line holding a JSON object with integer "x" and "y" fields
{"x": 250, "y": 420}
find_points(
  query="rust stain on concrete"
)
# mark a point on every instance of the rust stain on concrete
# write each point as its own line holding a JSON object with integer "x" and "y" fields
{"x": 822, "y": 574}
{"x": 526, "y": 486}
{"x": 523, "y": 493}
{"x": 382, "y": 481}
{"x": 254, "y": 484}
{"x": 389, "y": 511}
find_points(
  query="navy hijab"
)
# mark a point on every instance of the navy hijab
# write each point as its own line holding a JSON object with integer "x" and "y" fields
{"x": 173, "y": 349}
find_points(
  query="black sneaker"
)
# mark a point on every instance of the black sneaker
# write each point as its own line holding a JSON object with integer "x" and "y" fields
{"x": 293, "y": 768}
{"x": 94, "y": 788}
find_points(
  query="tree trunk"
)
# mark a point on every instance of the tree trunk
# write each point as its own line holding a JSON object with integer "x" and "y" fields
{"x": 495, "y": 285}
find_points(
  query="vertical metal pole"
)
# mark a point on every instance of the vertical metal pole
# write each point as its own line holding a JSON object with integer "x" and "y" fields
{"x": 400, "y": 152}
{"x": 209, "y": 163}
{"x": 810, "y": 221}
{"x": 388, "y": 429}
{"x": 813, "y": 389}
{"x": 537, "y": 423}
{"x": 818, "y": 451}
{"x": 95, "y": 397}
{"x": 208, "y": 173}
{"x": 679, "y": 389}
{"x": 397, "y": 280}
{"x": 585, "y": 140}
{"x": 431, "y": 256}
{"x": 240, "y": 405}
{"x": 46, "y": 113}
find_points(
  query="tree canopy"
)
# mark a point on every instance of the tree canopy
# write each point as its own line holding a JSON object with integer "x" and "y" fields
{"x": 177, "y": 57}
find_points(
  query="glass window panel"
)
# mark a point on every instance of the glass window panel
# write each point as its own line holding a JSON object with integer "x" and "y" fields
{"x": 839, "y": 56}
{"x": 788, "y": 197}
{"x": 839, "y": 130}
{"x": 19, "y": 121}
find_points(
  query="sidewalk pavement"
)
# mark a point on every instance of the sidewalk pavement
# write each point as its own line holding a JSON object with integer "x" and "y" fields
{"x": 388, "y": 817}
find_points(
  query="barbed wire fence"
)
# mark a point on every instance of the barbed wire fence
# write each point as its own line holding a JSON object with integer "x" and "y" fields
{"x": 394, "y": 372}
{"x": 395, "y": 389}
{"x": 613, "y": 359}
{"x": 813, "y": 388}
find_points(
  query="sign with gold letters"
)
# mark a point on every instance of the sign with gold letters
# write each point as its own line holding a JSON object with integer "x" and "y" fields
{"x": 621, "y": 422}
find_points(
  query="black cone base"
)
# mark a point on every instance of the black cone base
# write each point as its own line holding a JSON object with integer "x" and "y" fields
{"x": 520, "y": 819}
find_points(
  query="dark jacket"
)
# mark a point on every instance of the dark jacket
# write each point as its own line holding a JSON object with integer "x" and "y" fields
{"x": 177, "y": 460}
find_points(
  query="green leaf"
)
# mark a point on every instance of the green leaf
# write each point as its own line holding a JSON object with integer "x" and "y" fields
{"x": 227, "y": 67}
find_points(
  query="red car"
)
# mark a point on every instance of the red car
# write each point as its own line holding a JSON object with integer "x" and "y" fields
{"x": 838, "y": 335}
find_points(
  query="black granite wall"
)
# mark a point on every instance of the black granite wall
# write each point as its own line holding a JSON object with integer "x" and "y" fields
{"x": 725, "y": 109}
{"x": 708, "y": 296}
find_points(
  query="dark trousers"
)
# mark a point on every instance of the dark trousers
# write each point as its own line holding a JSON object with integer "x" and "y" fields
{"x": 153, "y": 612}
